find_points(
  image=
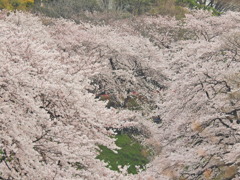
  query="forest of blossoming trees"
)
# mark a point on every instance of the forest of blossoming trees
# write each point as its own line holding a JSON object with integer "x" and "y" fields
{"x": 67, "y": 88}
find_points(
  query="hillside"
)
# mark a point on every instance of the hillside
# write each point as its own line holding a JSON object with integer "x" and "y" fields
{"x": 169, "y": 87}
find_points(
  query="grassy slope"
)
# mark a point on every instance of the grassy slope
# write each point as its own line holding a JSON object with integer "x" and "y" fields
{"x": 131, "y": 153}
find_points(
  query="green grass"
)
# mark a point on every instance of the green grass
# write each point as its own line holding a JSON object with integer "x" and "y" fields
{"x": 132, "y": 153}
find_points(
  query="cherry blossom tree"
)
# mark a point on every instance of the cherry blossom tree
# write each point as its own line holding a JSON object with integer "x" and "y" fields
{"x": 182, "y": 72}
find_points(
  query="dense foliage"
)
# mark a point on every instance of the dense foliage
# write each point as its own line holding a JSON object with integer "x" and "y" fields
{"x": 216, "y": 6}
{"x": 16, "y": 4}
{"x": 65, "y": 89}
{"x": 97, "y": 10}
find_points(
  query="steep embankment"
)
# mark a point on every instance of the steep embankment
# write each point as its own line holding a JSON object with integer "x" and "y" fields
{"x": 174, "y": 82}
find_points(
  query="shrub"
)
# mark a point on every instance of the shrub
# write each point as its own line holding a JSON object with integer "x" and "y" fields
{"x": 16, "y": 4}
{"x": 169, "y": 8}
